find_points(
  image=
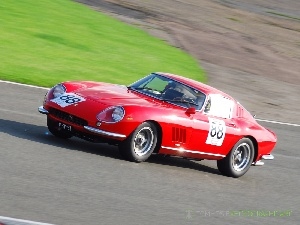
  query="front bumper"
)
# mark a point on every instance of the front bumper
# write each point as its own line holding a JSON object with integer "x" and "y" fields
{"x": 264, "y": 157}
{"x": 105, "y": 133}
{"x": 97, "y": 131}
{"x": 43, "y": 110}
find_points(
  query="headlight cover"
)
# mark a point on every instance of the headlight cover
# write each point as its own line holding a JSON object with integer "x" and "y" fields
{"x": 58, "y": 90}
{"x": 111, "y": 114}
{"x": 54, "y": 92}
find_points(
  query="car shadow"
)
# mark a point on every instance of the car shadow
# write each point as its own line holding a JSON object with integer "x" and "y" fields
{"x": 41, "y": 134}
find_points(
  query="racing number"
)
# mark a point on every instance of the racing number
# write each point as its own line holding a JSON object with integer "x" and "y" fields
{"x": 216, "y": 129}
{"x": 70, "y": 99}
{"x": 216, "y": 133}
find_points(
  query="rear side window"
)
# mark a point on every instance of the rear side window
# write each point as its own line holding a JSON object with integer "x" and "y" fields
{"x": 219, "y": 106}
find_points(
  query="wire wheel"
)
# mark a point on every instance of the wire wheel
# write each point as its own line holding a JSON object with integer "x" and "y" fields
{"x": 238, "y": 160}
{"x": 143, "y": 141}
{"x": 241, "y": 157}
{"x": 140, "y": 144}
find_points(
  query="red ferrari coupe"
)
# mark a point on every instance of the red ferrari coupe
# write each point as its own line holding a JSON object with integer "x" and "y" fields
{"x": 160, "y": 113}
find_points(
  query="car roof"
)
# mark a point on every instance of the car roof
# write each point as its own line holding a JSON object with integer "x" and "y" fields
{"x": 206, "y": 89}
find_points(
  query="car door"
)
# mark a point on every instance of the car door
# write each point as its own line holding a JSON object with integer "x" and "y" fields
{"x": 177, "y": 130}
{"x": 214, "y": 129}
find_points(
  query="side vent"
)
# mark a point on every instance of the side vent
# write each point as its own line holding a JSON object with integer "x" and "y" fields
{"x": 178, "y": 135}
{"x": 240, "y": 111}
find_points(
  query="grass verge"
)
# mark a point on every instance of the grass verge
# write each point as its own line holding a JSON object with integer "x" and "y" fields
{"x": 44, "y": 42}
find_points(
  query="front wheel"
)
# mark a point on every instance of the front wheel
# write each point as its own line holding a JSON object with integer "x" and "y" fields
{"x": 238, "y": 160}
{"x": 140, "y": 144}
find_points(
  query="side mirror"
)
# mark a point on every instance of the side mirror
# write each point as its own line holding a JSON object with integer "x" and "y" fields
{"x": 190, "y": 111}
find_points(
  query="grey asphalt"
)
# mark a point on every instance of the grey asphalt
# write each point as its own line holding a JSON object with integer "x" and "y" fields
{"x": 56, "y": 181}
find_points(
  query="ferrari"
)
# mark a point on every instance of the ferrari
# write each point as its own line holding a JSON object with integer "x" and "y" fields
{"x": 161, "y": 113}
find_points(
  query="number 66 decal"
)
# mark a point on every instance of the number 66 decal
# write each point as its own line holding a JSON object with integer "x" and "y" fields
{"x": 67, "y": 99}
{"x": 216, "y": 133}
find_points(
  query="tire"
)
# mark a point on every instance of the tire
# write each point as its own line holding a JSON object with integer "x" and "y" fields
{"x": 57, "y": 132}
{"x": 238, "y": 160}
{"x": 140, "y": 144}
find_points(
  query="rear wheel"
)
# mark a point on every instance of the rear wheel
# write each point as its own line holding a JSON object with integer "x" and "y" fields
{"x": 140, "y": 144}
{"x": 238, "y": 160}
{"x": 56, "y": 131}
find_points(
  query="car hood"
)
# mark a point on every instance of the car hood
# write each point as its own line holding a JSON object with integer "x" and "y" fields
{"x": 113, "y": 94}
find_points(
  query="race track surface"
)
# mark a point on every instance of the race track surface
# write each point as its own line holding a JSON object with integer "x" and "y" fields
{"x": 249, "y": 49}
{"x": 58, "y": 181}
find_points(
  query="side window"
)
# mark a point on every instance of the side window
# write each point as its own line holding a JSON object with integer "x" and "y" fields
{"x": 219, "y": 106}
{"x": 207, "y": 106}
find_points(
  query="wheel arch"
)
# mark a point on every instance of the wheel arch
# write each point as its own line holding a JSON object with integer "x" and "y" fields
{"x": 255, "y": 144}
{"x": 159, "y": 134}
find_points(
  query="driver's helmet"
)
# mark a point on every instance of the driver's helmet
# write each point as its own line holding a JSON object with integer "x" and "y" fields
{"x": 170, "y": 85}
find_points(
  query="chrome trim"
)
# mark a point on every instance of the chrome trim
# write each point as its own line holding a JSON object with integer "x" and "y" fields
{"x": 191, "y": 151}
{"x": 102, "y": 132}
{"x": 260, "y": 162}
{"x": 43, "y": 110}
{"x": 268, "y": 157}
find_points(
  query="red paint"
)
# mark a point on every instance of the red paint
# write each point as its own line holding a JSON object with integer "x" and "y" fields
{"x": 185, "y": 128}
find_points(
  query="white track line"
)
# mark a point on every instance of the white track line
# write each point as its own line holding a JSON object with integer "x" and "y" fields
{"x": 20, "y": 221}
{"x": 25, "y": 85}
{"x": 261, "y": 120}
{"x": 21, "y": 113}
{"x": 277, "y": 122}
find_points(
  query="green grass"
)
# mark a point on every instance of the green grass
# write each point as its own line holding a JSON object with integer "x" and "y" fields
{"x": 44, "y": 42}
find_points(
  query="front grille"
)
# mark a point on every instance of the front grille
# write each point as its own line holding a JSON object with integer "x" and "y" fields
{"x": 67, "y": 117}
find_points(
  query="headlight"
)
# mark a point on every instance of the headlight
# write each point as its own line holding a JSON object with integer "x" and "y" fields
{"x": 111, "y": 115}
{"x": 54, "y": 92}
{"x": 58, "y": 90}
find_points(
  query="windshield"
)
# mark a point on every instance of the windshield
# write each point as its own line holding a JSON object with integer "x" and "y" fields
{"x": 169, "y": 90}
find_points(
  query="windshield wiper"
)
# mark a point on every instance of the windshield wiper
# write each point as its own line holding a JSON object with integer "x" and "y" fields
{"x": 143, "y": 88}
{"x": 180, "y": 100}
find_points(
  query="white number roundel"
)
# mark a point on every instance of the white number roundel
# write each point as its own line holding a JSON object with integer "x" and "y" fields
{"x": 216, "y": 133}
{"x": 67, "y": 99}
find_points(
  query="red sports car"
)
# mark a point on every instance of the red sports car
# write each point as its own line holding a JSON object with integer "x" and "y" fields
{"x": 160, "y": 113}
